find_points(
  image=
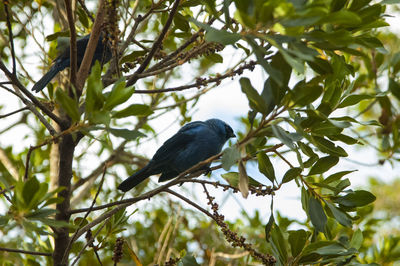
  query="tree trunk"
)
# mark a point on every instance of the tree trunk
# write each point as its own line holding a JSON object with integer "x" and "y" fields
{"x": 61, "y": 239}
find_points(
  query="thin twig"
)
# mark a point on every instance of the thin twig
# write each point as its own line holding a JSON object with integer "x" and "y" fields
{"x": 73, "y": 238}
{"x": 155, "y": 46}
{"x": 203, "y": 82}
{"x": 10, "y": 35}
{"x": 25, "y": 251}
{"x": 20, "y": 87}
{"x": 28, "y": 157}
{"x": 14, "y": 112}
{"x": 73, "y": 48}
{"x": 89, "y": 241}
{"x": 82, "y": 3}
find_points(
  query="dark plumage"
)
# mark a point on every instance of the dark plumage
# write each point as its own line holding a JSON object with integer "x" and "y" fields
{"x": 63, "y": 60}
{"x": 193, "y": 143}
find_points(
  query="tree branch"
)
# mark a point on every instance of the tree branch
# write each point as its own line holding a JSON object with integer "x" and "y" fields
{"x": 14, "y": 112}
{"x": 73, "y": 238}
{"x": 10, "y": 36}
{"x": 20, "y": 87}
{"x": 73, "y": 48}
{"x": 155, "y": 46}
{"x": 25, "y": 251}
{"x": 91, "y": 47}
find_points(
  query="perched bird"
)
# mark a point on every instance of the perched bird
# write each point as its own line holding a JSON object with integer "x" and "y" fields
{"x": 102, "y": 54}
{"x": 193, "y": 143}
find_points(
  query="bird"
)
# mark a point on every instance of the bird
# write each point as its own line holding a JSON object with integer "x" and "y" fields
{"x": 102, "y": 54}
{"x": 193, "y": 143}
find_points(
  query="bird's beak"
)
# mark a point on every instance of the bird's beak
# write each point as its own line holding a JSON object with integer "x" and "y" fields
{"x": 232, "y": 135}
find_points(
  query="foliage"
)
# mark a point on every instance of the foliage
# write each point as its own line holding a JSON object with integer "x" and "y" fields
{"x": 332, "y": 87}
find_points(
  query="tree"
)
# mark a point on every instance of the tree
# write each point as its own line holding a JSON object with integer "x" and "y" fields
{"x": 326, "y": 63}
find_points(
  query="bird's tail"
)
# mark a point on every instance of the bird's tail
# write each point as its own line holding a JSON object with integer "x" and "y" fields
{"x": 135, "y": 179}
{"x": 46, "y": 78}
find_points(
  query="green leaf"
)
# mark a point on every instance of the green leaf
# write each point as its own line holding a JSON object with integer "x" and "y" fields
{"x": 312, "y": 247}
{"x": 278, "y": 244}
{"x": 94, "y": 93}
{"x": 305, "y": 93}
{"x": 181, "y": 22}
{"x": 317, "y": 214}
{"x": 39, "y": 195}
{"x": 265, "y": 166}
{"x": 357, "y": 239}
{"x": 42, "y": 213}
{"x": 271, "y": 221}
{"x": 126, "y": 133}
{"x": 354, "y": 99}
{"x": 335, "y": 250}
{"x": 325, "y": 128}
{"x": 336, "y": 176}
{"x": 291, "y": 174}
{"x": 339, "y": 215}
{"x": 394, "y": 88}
{"x": 356, "y": 198}
{"x": 233, "y": 179}
{"x": 134, "y": 110}
{"x": 256, "y": 102}
{"x": 320, "y": 66}
{"x": 307, "y": 150}
{"x": 329, "y": 147}
{"x": 283, "y": 136}
{"x": 297, "y": 240}
{"x": 30, "y": 188}
{"x": 216, "y": 58}
{"x": 342, "y": 17}
{"x": 188, "y": 260}
{"x": 100, "y": 117}
{"x": 230, "y": 156}
{"x": 214, "y": 35}
{"x": 132, "y": 56}
{"x": 323, "y": 165}
{"x": 119, "y": 94}
{"x": 53, "y": 201}
{"x": 343, "y": 138}
{"x": 69, "y": 105}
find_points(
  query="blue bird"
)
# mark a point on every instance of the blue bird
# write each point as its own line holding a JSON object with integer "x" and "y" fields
{"x": 102, "y": 54}
{"x": 193, "y": 143}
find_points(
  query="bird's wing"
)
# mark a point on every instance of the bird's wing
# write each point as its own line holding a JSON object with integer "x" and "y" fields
{"x": 177, "y": 143}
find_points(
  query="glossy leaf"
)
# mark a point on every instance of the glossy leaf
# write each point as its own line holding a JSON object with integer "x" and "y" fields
{"x": 230, "y": 156}
{"x": 68, "y": 104}
{"x": 354, "y": 99}
{"x": 323, "y": 165}
{"x": 265, "y": 166}
{"x": 297, "y": 240}
{"x": 339, "y": 215}
{"x": 134, "y": 110}
{"x": 126, "y": 133}
{"x": 278, "y": 244}
{"x": 357, "y": 198}
{"x": 119, "y": 94}
{"x": 291, "y": 174}
{"x": 256, "y": 102}
{"x": 317, "y": 214}
{"x": 94, "y": 94}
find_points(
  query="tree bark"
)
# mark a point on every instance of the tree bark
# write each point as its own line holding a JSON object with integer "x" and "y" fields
{"x": 61, "y": 238}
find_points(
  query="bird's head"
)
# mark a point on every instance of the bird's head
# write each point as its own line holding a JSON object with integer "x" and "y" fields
{"x": 223, "y": 129}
